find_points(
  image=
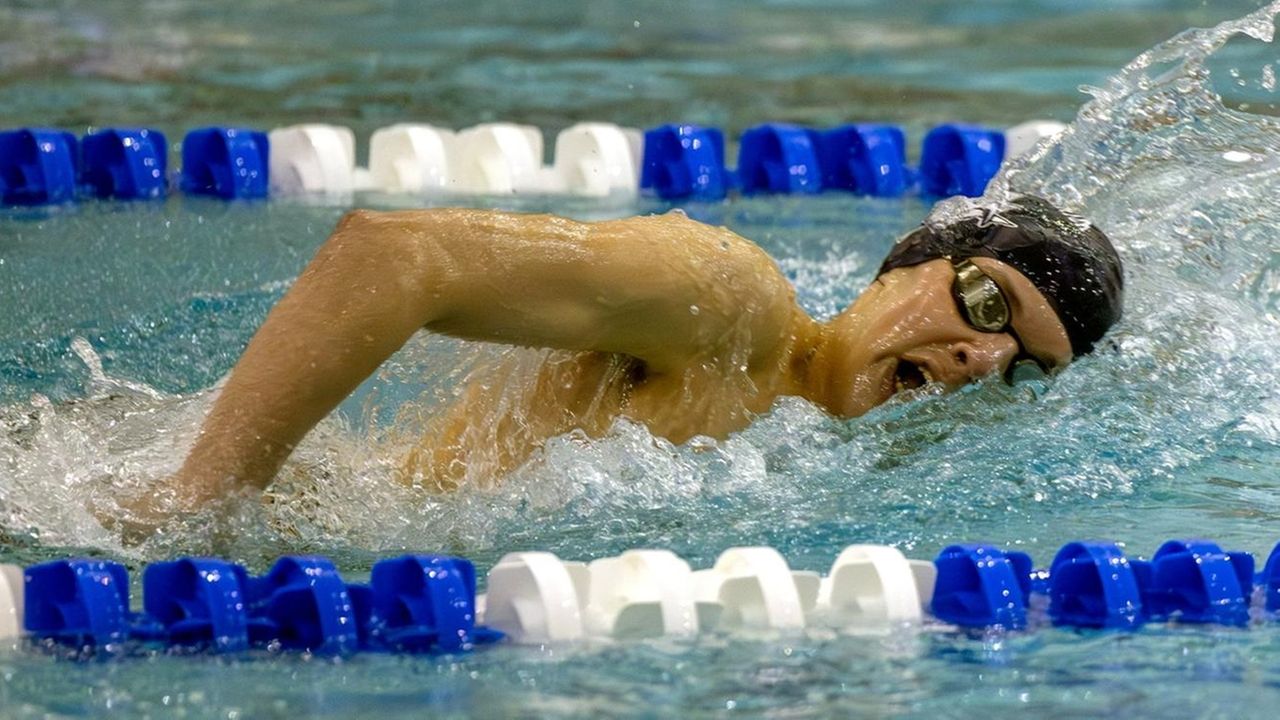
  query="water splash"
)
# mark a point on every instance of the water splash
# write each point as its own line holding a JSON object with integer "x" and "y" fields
{"x": 1183, "y": 395}
{"x": 1181, "y": 384}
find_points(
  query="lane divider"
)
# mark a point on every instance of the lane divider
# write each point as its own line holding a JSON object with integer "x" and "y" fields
{"x": 673, "y": 162}
{"x": 596, "y": 159}
{"x": 38, "y": 166}
{"x": 1022, "y": 138}
{"x": 125, "y": 163}
{"x": 411, "y": 158}
{"x": 428, "y": 603}
{"x": 752, "y": 588}
{"x": 11, "y": 605}
{"x": 312, "y": 160}
{"x": 227, "y": 163}
{"x": 413, "y": 603}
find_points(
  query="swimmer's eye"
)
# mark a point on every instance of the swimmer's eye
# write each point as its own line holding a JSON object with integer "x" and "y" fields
{"x": 984, "y": 306}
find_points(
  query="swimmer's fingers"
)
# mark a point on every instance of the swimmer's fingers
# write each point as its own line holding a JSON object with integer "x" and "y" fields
{"x": 108, "y": 518}
{"x": 135, "y": 519}
{"x": 134, "y": 532}
{"x": 138, "y": 517}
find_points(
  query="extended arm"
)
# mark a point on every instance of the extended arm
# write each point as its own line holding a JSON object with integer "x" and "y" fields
{"x": 664, "y": 289}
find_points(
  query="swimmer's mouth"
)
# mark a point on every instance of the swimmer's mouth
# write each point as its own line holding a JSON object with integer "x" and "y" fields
{"x": 909, "y": 376}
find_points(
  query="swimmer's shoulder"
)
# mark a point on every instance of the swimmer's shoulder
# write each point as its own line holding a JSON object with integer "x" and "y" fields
{"x": 676, "y": 234}
{"x": 674, "y": 228}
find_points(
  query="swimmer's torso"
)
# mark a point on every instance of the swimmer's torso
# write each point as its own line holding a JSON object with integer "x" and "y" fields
{"x": 712, "y": 293}
{"x": 683, "y": 327}
{"x": 505, "y": 413}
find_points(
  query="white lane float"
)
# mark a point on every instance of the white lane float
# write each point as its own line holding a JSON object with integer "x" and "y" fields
{"x": 312, "y": 159}
{"x": 11, "y": 595}
{"x": 599, "y": 159}
{"x": 501, "y": 159}
{"x": 412, "y": 158}
{"x": 754, "y": 589}
{"x": 1021, "y": 138}
{"x": 641, "y": 593}
{"x": 875, "y": 586}
{"x": 535, "y": 598}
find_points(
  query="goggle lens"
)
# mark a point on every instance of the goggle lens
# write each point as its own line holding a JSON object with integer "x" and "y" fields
{"x": 981, "y": 300}
{"x": 985, "y": 307}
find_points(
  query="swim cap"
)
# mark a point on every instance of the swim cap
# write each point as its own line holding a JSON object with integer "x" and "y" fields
{"x": 1070, "y": 261}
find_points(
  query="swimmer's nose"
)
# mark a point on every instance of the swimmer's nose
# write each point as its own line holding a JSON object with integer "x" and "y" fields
{"x": 967, "y": 361}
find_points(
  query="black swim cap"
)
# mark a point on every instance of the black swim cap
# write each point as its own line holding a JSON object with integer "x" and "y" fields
{"x": 1070, "y": 261}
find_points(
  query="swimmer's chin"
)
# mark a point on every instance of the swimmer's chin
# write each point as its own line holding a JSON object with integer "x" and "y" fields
{"x": 859, "y": 393}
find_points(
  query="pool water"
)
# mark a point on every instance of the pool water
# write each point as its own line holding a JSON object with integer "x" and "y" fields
{"x": 118, "y": 319}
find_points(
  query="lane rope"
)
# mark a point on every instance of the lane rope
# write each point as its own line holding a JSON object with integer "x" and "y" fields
{"x": 41, "y": 166}
{"x": 429, "y": 604}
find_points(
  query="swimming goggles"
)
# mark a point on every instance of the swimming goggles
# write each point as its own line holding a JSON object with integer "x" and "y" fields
{"x": 983, "y": 305}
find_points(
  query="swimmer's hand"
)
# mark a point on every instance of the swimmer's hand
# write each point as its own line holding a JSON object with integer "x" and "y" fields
{"x": 139, "y": 517}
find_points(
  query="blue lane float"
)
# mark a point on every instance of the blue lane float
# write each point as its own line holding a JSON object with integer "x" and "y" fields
{"x": 302, "y": 603}
{"x": 38, "y": 166}
{"x": 1269, "y": 581}
{"x": 865, "y": 159}
{"x": 424, "y": 602}
{"x": 982, "y": 586}
{"x": 228, "y": 163}
{"x": 960, "y": 160}
{"x": 684, "y": 162}
{"x": 78, "y": 602}
{"x": 199, "y": 602}
{"x": 1093, "y": 584}
{"x": 1195, "y": 581}
{"x": 779, "y": 159}
{"x": 126, "y": 164}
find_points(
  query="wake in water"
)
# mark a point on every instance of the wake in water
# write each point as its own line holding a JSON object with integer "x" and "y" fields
{"x": 1182, "y": 184}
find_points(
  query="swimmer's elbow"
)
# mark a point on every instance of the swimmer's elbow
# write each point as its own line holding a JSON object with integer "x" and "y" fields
{"x": 403, "y": 246}
{"x": 366, "y": 226}
{"x": 352, "y": 219}
{"x": 397, "y": 263}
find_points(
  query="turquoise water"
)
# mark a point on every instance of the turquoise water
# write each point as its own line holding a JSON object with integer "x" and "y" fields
{"x": 1171, "y": 430}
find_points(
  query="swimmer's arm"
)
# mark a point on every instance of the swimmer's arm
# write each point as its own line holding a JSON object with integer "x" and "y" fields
{"x": 664, "y": 289}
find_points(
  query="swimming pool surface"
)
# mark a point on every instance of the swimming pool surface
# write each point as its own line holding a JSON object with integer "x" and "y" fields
{"x": 1170, "y": 430}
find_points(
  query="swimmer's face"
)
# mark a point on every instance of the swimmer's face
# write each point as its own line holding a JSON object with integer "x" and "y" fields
{"x": 906, "y": 330}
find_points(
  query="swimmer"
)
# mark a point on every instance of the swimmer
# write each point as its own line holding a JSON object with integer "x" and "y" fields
{"x": 687, "y": 328}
